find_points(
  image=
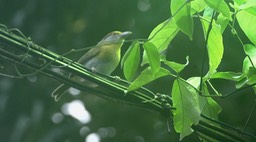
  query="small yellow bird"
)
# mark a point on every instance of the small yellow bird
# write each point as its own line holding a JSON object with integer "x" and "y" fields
{"x": 103, "y": 58}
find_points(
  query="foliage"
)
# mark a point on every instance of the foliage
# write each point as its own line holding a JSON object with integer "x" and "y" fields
{"x": 192, "y": 97}
{"x": 187, "y": 96}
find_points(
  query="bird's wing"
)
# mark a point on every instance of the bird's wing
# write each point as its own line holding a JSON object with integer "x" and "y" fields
{"x": 89, "y": 55}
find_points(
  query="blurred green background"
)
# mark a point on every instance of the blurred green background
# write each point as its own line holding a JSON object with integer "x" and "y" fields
{"x": 29, "y": 114}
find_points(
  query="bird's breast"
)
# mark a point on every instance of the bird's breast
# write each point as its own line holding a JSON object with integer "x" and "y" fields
{"x": 105, "y": 62}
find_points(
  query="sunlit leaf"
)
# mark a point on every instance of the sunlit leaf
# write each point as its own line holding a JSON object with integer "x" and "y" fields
{"x": 207, "y": 105}
{"x": 131, "y": 61}
{"x": 147, "y": 76}
{"x": 153, "y": 56}
{"x": 250, "y": 61}
{"x": 248, "y": 71}
{"x": 251, "y": 10}
{"x": 240, "y": 1}
{"x": 241, "y": 82}
{"x": 248, "y": 4}
{"x": 250, "y": 50}
{"x": 208, "y": 13}
{"x": 219, "y": 6}
{"x": 182, "y": 16}
{"x": 161, "y": 37}
{"x": 247, "y": 22}
{"x": 163, "y": 34}
{"x": 246, "y": 65}
{"x": 197, "y": 6}
{"x": 177, "y": 67}
{"x": 251, "y": 76}
{"x": 187, "y": 112}
{"x": 214, "y": 46}
{"x": 222, "y": 21}
{"x": 227, "y": 75}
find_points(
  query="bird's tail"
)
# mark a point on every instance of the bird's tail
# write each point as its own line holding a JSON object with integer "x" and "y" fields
{"x": 59, "y": 91}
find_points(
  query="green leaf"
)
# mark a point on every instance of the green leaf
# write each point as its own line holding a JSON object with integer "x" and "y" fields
{"x": 249, "y": 71}
{"x": 227, "y": 75}
{"x": 147, "y": 76}
{"x": 197, "y": 6}
{"x": 251, "y": 10}
{"x": 241, "y": 82}
{"x": 131, "y": 61}
{"x": 187, "y": 112}
{"x": 214, "y": 46}
{"x": 222, "y": 21}
{"x": 163, "y": 34}
{"x": 153, "y": 56}
{"x": 240, "y": 1}
{"x": 251, "y": 76}
{"x": 249, "y": 63}
{"x": 246, "y": 65}
{"x": 177, "y": 67}
{"x": 161, "y": 37}
{"x": 248, "y": 4}
{"x": 250, "y": 50}
{"x": 207, "y": 105}
{"x": 182, "y": 16}
{"x": 247, "y": 22}
{"x": 208, "y": 13}
{"x": 220, "y": 6}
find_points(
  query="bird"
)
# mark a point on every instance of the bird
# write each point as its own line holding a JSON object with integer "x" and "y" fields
{"x": 103, "y": 59}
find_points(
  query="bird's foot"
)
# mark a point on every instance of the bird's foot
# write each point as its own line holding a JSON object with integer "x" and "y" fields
{"x": 93, "y": 70}
{"x": 117, "y": 78}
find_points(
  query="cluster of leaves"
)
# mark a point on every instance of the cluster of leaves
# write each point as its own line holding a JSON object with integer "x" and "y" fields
{"x": 191, "y": 97}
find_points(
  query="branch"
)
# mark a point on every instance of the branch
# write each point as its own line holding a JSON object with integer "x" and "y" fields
{"x": 21, "y": 50}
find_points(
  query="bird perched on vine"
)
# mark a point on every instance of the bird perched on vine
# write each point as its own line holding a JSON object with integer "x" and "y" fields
{"x": 103, "y": 58}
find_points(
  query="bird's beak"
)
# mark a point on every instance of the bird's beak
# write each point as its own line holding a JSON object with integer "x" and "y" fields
{"x": 125, "y": 34}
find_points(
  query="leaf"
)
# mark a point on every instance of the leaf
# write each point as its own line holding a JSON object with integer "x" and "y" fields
{"x": 187, "y": 112}
{"x": 222, "y": 21}
{"x": 246, "y": 65}
{"x": 161, "y": 37}
{"x": 249, "y": 70}
{"x": 220, "y": 6}
{"x": 250, "y": 50}
{"x": 247, "y": 22}
{"x": 251, "y": 10}
{"x": 207, "y": 105}
{"x": 197, "y": 6}
{"x": 162, "y": 34}
{"x": 208, "y": 13}
{"x": 177, "y": 67}
{"x": 248, "y": 4}
{"x": 182, "y": 16}
{"x": 241, "y": 82}
{"x": 147, "y": 76}
{"x": 251, "y": 76}
{"x": 153, "y": 56}
{"x": 240, "y": 1}
{"x": 131, "y": 61}
{"x": 227, "y": 75}
{"x": 214, "y": 46}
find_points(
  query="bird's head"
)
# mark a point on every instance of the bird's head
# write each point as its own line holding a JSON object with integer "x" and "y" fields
{"x": 115, "y": 37}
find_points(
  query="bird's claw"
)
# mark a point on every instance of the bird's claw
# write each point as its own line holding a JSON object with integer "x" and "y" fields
{"x": 117, "y": 78}
{"x": 93, "y": 69}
